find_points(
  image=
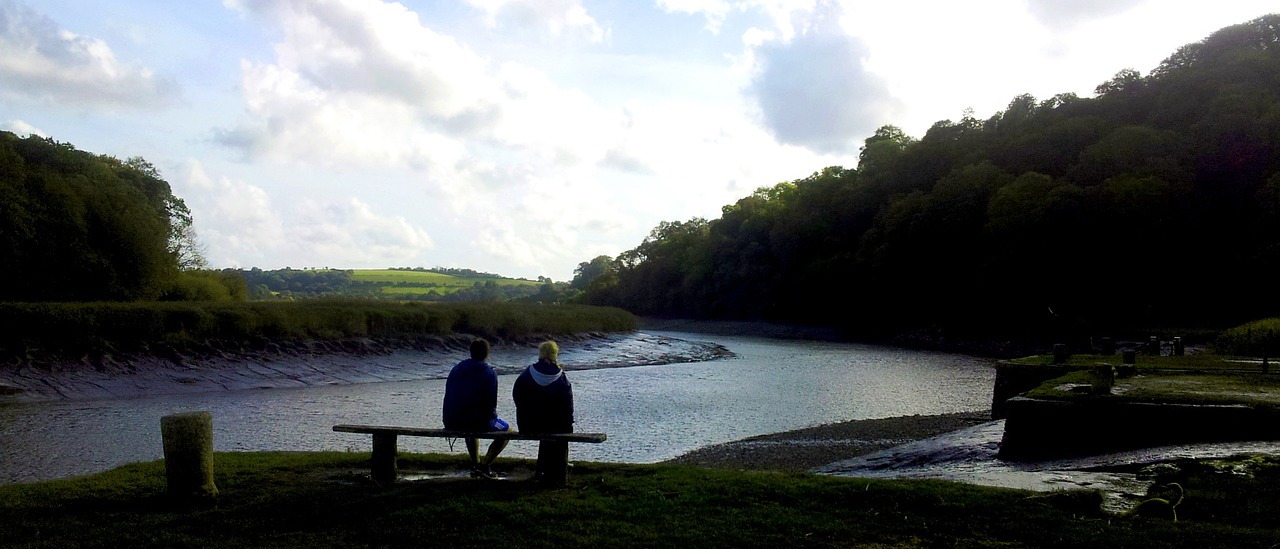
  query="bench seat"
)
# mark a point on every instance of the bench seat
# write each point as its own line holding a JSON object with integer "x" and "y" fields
{"x": 553, "y": 447}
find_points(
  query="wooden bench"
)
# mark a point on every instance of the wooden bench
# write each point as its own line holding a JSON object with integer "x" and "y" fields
{"x": 553, "y": 451}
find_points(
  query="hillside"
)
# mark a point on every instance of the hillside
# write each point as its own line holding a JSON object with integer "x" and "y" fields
{"x": 398, "y": 284}
{"x": 1154, "y": 203}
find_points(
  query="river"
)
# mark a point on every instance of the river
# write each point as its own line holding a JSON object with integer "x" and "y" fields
{"x": 651, "y": 412}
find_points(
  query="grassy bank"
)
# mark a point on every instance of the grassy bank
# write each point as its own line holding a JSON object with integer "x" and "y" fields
{"x": 74, "y": 328}
{"x": 317, "y": 500}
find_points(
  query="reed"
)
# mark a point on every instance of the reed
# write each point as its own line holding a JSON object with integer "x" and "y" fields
{"x": 75, "y": 328}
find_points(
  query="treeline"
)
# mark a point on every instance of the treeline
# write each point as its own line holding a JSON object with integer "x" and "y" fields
{"x": 290, "y": 283}
{"x": 1154, "y": 203}
{"x": 451, "y": 271}
{"x": 76, "y": 226}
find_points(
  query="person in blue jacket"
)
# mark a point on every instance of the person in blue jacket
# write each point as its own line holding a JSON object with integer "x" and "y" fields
{"x": 544, "y": 403}
{"x": 471, "y": 404}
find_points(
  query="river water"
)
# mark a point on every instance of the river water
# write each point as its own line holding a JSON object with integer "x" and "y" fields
{"x": 651, "y": 412}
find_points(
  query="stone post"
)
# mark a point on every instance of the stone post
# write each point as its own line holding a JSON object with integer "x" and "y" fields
{"x": 1153, "y": 346}
{"x": 1178, "y": 348}
{"x": 188, "y": 454}
{"x": 1060, "y": 354}
{"x": 1103, "y": 377}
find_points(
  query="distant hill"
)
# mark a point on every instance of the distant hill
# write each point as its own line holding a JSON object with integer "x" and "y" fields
{"x": 402, "y": 284}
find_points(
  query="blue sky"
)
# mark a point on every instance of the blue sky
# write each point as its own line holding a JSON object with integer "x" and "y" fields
{"x": 523, "y": 138}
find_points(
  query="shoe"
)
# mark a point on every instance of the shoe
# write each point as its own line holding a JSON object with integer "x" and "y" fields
{"x": 483, "y": 471}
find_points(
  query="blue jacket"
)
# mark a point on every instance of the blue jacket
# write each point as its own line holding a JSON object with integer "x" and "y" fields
{"x": 470, "y": 396}
{"x": 544, "y": 400}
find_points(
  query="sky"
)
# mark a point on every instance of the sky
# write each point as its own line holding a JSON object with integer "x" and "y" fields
{"x": 525, "y": 137}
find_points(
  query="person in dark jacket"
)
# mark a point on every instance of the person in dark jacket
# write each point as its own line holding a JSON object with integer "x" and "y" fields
{"x": 471, "y": 404}
{"x": 544, "y": 404}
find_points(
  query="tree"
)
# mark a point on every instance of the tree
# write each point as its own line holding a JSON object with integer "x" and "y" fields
{"x": 588, "y": 271}
{"x": 1127, "y": 80}
{"x": 1051, "y": 197}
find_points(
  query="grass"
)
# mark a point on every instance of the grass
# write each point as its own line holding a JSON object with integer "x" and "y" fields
{"x": 399, "y": 282}
{"x": 1174, "y": 387}
{"x": 318, "y": 500}
{"x": 1198, "y": 361}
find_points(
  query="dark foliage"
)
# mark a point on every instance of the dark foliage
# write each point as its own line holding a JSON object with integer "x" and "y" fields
{"x": 75, "y": 226}
{"x": 1157, "y": 202}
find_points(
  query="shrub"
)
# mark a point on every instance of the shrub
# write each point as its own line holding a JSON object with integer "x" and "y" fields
{"x": 1257, "y": 338}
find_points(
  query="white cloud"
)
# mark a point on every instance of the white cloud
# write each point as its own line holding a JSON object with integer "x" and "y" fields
{"x": 236, "y": 220}
{"x": 22, "y": 128}
{"x": 242, "y": 226}
{"x": 785, "y": 15}
{"x": 45, "y": 64}
{"x": 716, "y": 11}
{"x": 363, "y": 82}
{"x": 1057, "y": 14}
{"x": 352, "y": 230}
{"x": 556, "y": 17}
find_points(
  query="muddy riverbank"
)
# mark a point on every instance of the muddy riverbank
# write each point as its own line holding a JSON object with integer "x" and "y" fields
{"x": 293, "y": 364}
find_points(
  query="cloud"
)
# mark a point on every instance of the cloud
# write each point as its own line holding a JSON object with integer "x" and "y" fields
{"x": 1060, "y": 15}
{"x": 45, "y": 64}
{"x": 716, "y": 11}
{"x": 352, "y": 230}
{"x": 242, "y": 226}
{"x": 22, "y": 128}
{"x": 364, "y": 82}
{"x": 814, "y": 90}
{"x": 783, "y": 14}
{"x": 557, "y": 17}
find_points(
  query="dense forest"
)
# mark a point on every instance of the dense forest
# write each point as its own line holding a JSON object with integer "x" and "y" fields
{"x": 75, "y": 226}
{"x": 1154, "y": 203}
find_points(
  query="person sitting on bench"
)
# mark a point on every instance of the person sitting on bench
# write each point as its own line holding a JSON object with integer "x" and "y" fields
{"x": 544, "y": 401}
{"x": 471, "y": 404}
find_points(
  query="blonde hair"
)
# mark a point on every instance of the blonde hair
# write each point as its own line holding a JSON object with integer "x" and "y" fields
{"x": 550, "y": 351}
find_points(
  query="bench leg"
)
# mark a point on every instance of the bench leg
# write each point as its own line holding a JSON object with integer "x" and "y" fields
{"x": 383, "y": 462}
{"x": 553, "y": 461}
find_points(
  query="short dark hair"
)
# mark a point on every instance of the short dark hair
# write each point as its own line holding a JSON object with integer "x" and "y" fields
{"x": 479, "y": 349}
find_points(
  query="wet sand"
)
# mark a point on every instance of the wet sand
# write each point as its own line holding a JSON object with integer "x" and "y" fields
{"x": 805, "y": 449}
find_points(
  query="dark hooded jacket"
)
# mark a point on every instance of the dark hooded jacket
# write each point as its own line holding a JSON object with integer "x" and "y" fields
{"x": 544, "y": 399}
{"x": 470, "y": 396}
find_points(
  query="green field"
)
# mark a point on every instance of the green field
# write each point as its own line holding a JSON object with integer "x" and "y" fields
{"x": 423, "y": 282}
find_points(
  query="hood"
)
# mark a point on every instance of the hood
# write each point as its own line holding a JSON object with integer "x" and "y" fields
{"x": 545, "y": 379}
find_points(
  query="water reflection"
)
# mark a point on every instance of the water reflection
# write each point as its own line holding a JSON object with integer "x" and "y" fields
{"x": 651, "y": 413}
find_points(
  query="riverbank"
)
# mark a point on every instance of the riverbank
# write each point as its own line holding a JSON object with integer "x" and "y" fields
{"x": 308, "y": 363}
{"x": 805, "y": 449}
{"x": 926, "y": 340}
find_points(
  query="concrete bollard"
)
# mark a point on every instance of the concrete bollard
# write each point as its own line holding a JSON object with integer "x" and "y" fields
{"x": 188, "y": 455}
{"x": 1103, "y": 377}
{"x": 1060, "y": 354}
{"x": 1153, "y": 346}
{"x": 1178, "y": 348}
